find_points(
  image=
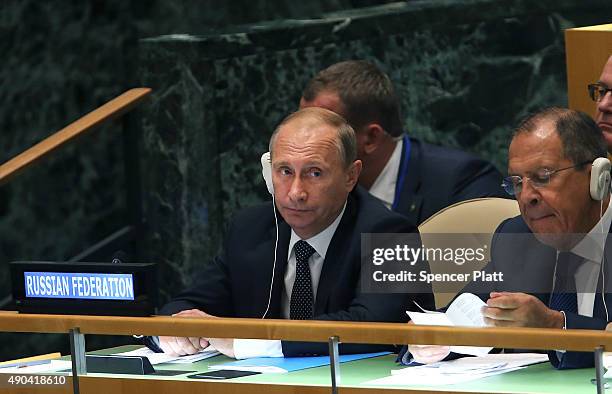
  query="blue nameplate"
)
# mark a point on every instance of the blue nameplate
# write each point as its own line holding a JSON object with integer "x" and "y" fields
{"x": 79, "y": 285}
{"x": 84, "y": 288}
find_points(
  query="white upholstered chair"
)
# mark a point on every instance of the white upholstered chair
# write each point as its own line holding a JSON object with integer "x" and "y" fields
{"x": 469, "y": 223}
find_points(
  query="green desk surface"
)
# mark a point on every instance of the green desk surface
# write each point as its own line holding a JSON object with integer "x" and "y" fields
{"x": 540, "y": 378}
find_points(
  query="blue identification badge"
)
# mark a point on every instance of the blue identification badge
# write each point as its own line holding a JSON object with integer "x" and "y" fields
{"x": 402, "y": 173}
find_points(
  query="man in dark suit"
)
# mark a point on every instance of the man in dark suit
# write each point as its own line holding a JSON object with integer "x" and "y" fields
{"x": 600, "y": 92}
{"x": 553, "y": 257}
{"x": 411, "y": 177}
{"x": 516, "y": 251}
{"x": 306, "y": 266}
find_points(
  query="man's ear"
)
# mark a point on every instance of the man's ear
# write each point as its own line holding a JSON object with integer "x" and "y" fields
{"x": 372, "y": 137}
{"x": 353, "y": 173}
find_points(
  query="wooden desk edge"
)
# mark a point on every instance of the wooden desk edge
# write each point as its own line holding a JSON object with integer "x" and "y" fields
{"x": 312, "y": 331}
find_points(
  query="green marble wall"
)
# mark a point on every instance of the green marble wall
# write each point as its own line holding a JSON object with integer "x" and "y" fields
{"x": 61, "y": 59}
{"x": 218, "y": 97}
{"x": 466, "y": 72}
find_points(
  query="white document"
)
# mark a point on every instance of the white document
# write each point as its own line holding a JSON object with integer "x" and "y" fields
{"x": 52, "y": 366}
{"x": 159, "y": 358}
{"x": 421, "y": 379}
{"x": 607, "y": 363}
{"x": 249, "y": 368}
{"x": 465, "y": 311}
{"x": 460, "y": 370}
{"x": 486, "y": 363}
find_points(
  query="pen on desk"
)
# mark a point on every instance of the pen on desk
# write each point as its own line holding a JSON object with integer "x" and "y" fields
{"x": 32, "y": 363}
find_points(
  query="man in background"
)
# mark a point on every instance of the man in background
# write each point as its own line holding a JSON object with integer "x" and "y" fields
{"x": 600, "y": 93}
{"x": 409, "y": 176}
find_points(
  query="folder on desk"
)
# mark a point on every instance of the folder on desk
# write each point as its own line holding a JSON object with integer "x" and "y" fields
{"x": 30, "y": 361}
{"x": 288, "y": 364}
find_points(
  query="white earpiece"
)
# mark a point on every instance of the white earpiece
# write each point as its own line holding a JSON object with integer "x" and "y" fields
{"x": 600, "y": 188}
{"x": 266, "y": 171}
{"x": 600, "y": 178}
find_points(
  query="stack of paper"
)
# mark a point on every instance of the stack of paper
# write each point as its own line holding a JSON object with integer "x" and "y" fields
{"x": 43, "y": 363}
{"x": 607, "y": 363}
{"x": 460, "y": 370}
{"x": 465, "y": 310}
{"x": 46, "y": 366}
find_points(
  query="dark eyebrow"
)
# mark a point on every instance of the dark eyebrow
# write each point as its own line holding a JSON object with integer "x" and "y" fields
{"x": 311, "y": 164}
{"x": 280, "y": 164}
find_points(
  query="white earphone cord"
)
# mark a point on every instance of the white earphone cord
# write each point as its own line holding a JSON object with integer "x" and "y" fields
{"x": 273, "y": 265}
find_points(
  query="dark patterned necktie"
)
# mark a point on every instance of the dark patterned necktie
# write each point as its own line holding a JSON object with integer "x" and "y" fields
{"x": 302, "y": 298}
{"x": 564, "y": 297}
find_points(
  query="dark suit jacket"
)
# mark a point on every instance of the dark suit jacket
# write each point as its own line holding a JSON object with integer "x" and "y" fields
{"x": 438, "y": 177}
{"x": 529, "y": 265}
{"x": 237, "y": 282}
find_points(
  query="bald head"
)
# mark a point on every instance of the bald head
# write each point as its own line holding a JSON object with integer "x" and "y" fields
{"x": 315, "y": 120}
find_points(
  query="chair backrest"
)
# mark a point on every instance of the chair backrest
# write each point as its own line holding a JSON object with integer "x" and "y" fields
{"x": 479, "y": 215}
{"x": 477, "y": 220}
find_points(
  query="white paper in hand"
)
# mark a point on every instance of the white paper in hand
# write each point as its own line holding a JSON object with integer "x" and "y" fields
{"x": 464, "y": 311}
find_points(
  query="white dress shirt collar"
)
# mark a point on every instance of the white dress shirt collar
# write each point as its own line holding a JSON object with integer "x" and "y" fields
{"x": 321, "y": 241}
{"x": 591, "y": 250}
{"x": 592, "y": 246}
{"x": 384, "y": 185}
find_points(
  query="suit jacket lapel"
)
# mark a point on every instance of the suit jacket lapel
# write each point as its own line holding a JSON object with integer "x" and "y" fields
{"x": 336, "y": 255}
{"x": 607, "y": 261}
{"x": 284, "y": 234}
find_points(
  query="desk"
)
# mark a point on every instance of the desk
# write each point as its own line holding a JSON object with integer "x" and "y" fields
{"x": 537, "y": 379}
{"x": 541, "y": 378}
